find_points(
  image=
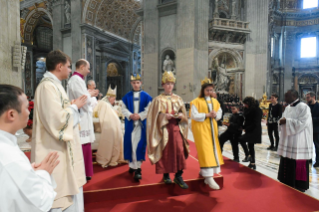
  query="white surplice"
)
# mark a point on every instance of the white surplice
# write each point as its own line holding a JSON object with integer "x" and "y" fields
{"x": 200, "y": 117}
{"x": 22, "y": 188}
{"x": 137, "y": 132}
{"x": 76, "y": 89}
{"x": 296, "y": 136}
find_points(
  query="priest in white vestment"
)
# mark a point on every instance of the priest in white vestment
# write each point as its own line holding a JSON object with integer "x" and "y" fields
{"x": 92, "y": 88}
{"x": 110, "y": 149}
{"x": 55, "y": 128}
{"x": 23, "y": 187}
{"x": 295, "y": 146}
{"x": 77, "y": 88}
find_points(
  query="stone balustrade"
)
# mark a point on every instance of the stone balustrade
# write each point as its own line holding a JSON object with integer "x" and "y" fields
{"x": 229, "y": 25}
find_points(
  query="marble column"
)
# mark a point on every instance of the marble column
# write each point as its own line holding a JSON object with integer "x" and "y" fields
{"x": 192, "y": 48}
{"x": 58, "y": 14}
{"x": 256, "y": 53}
{"x": 76, "y": 20}
{"x": 151, "y": 47}
{"x": 289, "y": 52}
{"x": 9, "y": 36}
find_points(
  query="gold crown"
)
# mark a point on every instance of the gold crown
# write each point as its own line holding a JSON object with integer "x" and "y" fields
{"x": 136, "y": 77}
{"x": 168, "y": 76}
{"x": 206, "y": 81}
{"x": 111, "y": 92}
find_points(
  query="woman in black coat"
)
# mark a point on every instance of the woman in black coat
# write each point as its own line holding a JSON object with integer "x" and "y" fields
{"x": 252, "y": 127}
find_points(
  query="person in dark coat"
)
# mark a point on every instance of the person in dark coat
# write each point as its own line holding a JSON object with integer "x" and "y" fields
{"x": 314, "y": 107}
{"x": 233, "y": 132}
{"x": 252, "y": 127}
{"x": 274, "y": 114}
{"x": 222, "y": 106}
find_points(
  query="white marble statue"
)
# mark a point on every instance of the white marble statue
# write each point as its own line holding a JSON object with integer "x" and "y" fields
{"x": 222, "y": 79}
{"x": 168, "y": 64}
{"x": 67, "y": 12}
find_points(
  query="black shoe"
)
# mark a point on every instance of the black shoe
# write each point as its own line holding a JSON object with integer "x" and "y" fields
{"x": 131, "y": 171}
{"x": 252, "y": 166}
{"x": 275, "y": 149}
{"x": 236, "y": 159}
{"x": 316, "y": 165}
{"x": 179, "y": 181}
{"x": 167, "y": 179}
{"x": 88, "y": 178}
{"x": 270, "y": 148}
{"x": 138, "y": 174}
{"x": 247, "y": 159}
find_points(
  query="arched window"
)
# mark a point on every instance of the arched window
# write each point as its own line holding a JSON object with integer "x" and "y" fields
{"x": 310, "y": 4}
{"x": 44, "y": 38}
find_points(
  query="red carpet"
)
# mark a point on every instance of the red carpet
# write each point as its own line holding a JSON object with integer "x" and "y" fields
{"x": 246, "y": 190}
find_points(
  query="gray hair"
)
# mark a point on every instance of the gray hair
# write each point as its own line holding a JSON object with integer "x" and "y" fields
{"x": 90, "y": 82}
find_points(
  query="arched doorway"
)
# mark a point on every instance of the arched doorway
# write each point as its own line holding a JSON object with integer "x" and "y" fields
{"x": 115, "y": 78}
{"x": 306, "y": 84}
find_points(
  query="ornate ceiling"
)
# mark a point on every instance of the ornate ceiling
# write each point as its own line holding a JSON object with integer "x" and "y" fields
{"x": 115, "y": 16}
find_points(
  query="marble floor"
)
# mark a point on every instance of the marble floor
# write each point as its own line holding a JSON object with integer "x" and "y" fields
{"x": 267, "y": 162}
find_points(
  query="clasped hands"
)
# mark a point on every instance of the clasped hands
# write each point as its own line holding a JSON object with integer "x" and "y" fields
{"x": 211, "y": 114}
{"x": 48, "y": 164}
{"x": 170, "y": 116}
{"x": 282, "y": 121}
{"x": 135, "y": 117}
{"x": 94, "y": 93}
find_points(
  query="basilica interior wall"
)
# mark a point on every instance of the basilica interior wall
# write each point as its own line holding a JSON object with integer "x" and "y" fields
{"x": 9, "y": 37}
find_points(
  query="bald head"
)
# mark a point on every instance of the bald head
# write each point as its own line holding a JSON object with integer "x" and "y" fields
{"x": 291, "y": 96}
{"x": 82, "y": 66}
{"x": 91, "y": 84}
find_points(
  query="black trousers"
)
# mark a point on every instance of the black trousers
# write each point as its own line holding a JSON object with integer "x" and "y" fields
{"x": 251, "y": 147}
{"x": 316, "y": 143}
{"x": 234, "y": 140}
{"x": 273, "y": 129}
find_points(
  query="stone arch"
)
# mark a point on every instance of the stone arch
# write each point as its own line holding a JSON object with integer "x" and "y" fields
{"x": 237, "y": 57}
{"x": 134, "y": 28}
{"x": 32, "y": 21}
{"x": 113, "y": 16}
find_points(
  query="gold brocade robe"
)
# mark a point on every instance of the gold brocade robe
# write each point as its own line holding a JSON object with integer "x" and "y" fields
{"x": 204, "y": 135}
{"x": 157, "y": 134}
{"x": 110, "y": 149}
{"x": 53, "y": 131}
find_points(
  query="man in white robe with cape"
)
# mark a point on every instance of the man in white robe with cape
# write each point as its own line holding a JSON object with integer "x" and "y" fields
{"x": 23, "y": 187}
{"x": 295, "y": 146}
{"x": 110, "y": 149}
{"x": 55, "y": 128}
{"x": 77, "y": 88}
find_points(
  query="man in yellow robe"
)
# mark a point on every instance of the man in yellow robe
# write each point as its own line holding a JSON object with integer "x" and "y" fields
{"x": 205, "y": 112}
{"x": 110, "y": 149}
{"x": 55, "y": 128}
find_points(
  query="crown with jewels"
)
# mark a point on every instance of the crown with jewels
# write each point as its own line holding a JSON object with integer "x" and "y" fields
{"x": 206, "y": 81}
{"x": 168, "y": 76}
{"x": 111, "y": 92}
{"x": 135, "y": 77}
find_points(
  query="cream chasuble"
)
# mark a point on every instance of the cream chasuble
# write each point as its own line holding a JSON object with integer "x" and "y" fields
{"x": 110, "y": 149}
{"x": 53, "y": 130}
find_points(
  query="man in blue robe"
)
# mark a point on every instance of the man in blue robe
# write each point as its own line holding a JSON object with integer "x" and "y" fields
{"x": 135, "y": 108}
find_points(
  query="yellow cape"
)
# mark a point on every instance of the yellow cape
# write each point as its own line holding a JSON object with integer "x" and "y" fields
{"x": 208, "y": 149}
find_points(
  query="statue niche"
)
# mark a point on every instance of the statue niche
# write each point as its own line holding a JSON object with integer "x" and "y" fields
{"x": 168, "y": 61}
{"x": 223, "y": 67}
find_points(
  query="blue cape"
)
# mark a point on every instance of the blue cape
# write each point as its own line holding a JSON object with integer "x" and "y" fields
{"x": 145, "y": 99}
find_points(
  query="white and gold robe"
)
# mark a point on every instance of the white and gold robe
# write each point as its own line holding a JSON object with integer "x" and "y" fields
{"x": 110, "y": 149}
{"x": 55, "y": 129}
